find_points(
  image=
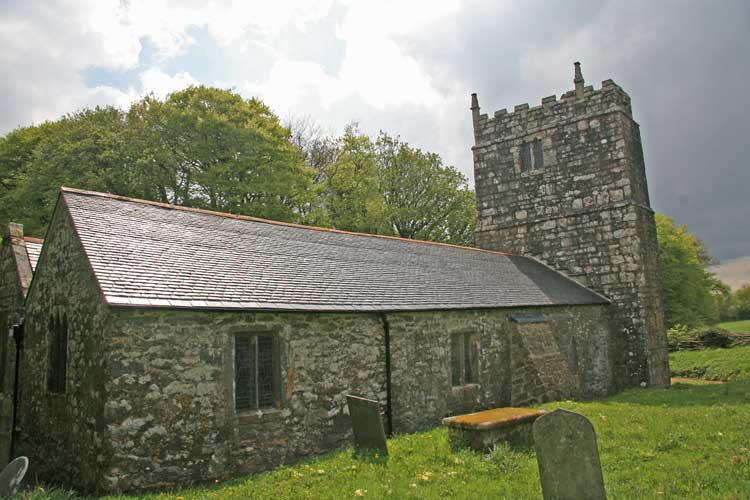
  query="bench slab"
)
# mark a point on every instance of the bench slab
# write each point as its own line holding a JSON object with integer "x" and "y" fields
{"x": 482, "y": 430}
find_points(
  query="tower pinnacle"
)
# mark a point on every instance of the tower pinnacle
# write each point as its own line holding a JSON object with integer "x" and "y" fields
{"x": 578, "y": 79}
{"x": 474, "y": 109}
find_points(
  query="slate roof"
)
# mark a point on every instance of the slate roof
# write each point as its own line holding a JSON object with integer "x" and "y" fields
{"x": 33, "y": 248}
{"x": 149, "y": 254}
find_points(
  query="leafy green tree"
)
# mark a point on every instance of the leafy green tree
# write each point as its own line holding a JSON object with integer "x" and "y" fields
{"x": 209, "y": 148}
{"x": 83, "y": 149}
{"x": 351, "y": 198}
{"x": 425, "y": 199}
{"x": 688, "y": 287}
{"x": 384, "y": 186}
{"x": 742, "y": 302}
{"x": 200, "y": 147}
{"x": 724, "y": 301}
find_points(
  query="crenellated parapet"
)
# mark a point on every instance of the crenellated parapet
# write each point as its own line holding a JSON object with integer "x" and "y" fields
{"x": 552, "y": 111}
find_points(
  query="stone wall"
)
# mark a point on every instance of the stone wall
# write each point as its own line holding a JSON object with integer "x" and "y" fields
{"x": 514, "y": 364}
{"x": 170, "y": 410}
{"x": 169, "y": 399}
{"x": 149, "y": 400}
{"x": 62, "y": 434}
{"x": 585, "y": 212}
{"x": 12, "y": 290}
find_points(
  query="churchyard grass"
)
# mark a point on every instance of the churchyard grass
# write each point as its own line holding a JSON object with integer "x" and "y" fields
{"x": 690, "y": 441}
{"x": 736, "y": 326}
{"x": 712, "y": 364}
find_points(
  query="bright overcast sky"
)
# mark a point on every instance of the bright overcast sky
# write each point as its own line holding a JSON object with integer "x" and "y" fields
{"x": 408, "y": 68}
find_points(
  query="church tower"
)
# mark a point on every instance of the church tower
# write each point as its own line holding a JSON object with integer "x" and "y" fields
{"x": 565, "y": 182}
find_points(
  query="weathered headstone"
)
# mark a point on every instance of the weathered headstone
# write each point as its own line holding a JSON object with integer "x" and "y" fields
{"x": 11, "y": 477}
{"x": 568, "y": 458}
{"x": 366, "y": 423}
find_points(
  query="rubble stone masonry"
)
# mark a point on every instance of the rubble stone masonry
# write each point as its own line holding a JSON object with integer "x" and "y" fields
{"x": 149, "y": 397}
{"x": 583, "y": 209}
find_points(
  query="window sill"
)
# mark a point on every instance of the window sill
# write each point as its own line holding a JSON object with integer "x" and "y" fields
{"x": 259, "y": 415}
{"x": 533, "y": 172}
{"x": 465, "y": 387}
{"x": 258, "y": 411}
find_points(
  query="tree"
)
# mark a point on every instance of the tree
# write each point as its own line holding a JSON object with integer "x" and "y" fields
{"x": 724, "y": 301}
{"x": 319, "y": 151}
{"x": 425, "y": 199}
{"x": 384, "y": 186}
{"x": 199, "y": 147}
{"x": 688, "y": 287}
{"x": 351, "y": 197}
{"x": 83, "y": 149}
{"x": 209, "y": 148}
{"x": 742, "y": 302}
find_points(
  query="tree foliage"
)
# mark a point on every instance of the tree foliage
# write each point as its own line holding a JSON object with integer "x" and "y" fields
{"x": 210, "y": 148}
{"x": 690, "y": 292}
{"x": 385, "y": 186}
{"x": 742, "y": 302}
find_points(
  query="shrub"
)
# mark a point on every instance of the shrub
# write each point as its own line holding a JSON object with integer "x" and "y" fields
{"x": 681, "y": 337}
{"x": 714, "y": 337}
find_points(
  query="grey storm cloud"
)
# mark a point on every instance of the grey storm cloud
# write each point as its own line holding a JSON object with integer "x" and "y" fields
{"x": 685, "y": 65}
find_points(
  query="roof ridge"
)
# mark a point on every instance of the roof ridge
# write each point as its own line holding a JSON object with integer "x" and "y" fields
{"x": 66, "y": 189}
{"x": 31, "y": 239}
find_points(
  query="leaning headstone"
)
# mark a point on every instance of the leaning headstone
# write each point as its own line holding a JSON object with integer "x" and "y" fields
{"x": 11, "y": 477}
{"x": 568, "y": 458}
{"x": 367, "y": 424}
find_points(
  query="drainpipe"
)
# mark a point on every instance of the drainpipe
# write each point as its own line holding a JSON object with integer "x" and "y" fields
{"x": 18, "y": 337}
{"x": 388, "y": 405}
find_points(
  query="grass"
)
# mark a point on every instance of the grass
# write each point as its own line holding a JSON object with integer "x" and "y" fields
{"x": 712, "y": 364}
{"x": 690, "y": 441}
{"x": 737, "y": 326}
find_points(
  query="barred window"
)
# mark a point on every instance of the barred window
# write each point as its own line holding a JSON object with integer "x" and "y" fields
{"x": 256, "y": 383}
{"x": 538, "y": 155}
{"x": 58, "y": 353}
{"x": 526, "y": 157}
{"x": 464, "y": 359}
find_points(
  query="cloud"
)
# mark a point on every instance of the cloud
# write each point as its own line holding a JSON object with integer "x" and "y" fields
{"x": 684, "y": 64}
{"x": 45, "y": 49}
{"x": 161, "y": 84}
{"x": 733, "y": 272}
{"x": 408, "y": 67}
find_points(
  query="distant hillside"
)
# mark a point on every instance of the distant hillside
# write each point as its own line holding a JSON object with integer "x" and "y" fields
{"x": 733, "y": 272}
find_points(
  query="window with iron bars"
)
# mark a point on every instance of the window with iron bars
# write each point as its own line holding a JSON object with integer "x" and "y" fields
{"x": 256, "y": 382}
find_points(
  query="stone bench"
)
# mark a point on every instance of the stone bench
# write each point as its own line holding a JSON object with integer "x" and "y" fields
{"x": 482, "y": 430}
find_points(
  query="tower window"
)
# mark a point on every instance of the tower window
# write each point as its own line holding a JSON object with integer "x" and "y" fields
{"x": 538, "y": 155}
{"x": 526, "y": 157}
{"x": 256, "y": 360}
{"x": 532, "y": 156}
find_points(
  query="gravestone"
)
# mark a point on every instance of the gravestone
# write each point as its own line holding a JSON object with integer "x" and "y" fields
{"x": 11, "y": 477}
{"x": 366, "y": 423}
{"x": 568, "y": 458}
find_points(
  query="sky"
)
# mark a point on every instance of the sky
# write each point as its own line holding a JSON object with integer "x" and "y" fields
{"x": 409, "y": 67}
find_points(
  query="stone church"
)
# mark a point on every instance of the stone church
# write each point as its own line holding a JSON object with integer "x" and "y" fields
{"x": 161, "y": 345}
